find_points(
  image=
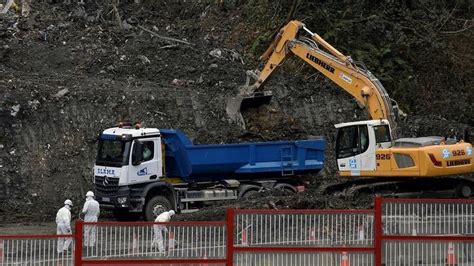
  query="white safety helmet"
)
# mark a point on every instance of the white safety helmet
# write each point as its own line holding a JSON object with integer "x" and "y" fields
{"x": 68, "y": 202}
{"x": 171, "y": 213}
{"x": 90, "y": 194}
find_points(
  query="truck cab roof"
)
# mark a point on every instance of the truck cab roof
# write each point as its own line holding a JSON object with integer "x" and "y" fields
{"x": 131, "y": 131}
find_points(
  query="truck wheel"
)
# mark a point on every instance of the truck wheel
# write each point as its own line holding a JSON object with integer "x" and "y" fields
{"x": 286, "y": 187}
{"x": 463, "y": 191}
{"x": 155, "y": 206}
{"x": 126, "y": 216}
{"x": 249, "y": 193}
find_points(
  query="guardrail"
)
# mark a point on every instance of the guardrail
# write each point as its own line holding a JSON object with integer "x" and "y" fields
{"x": 301, "y": 237}
{"x": 425, "y": 231}
{"x": 35, "y": 250}
{"x": 395, "y": 232}
{"x": 157, "y": 243}
{"x": 303, "y": 227}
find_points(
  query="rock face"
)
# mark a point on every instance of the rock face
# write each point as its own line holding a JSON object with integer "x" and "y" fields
{"x": 65, "y": 77}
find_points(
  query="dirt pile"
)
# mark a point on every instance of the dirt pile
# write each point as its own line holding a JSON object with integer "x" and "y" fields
{"x": 68, "y": 71}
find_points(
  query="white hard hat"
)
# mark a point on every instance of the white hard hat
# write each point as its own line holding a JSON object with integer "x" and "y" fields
{"x": 90, "y": 194}
{"x": 171, "y": 212}
{"x": 68, "y": 202}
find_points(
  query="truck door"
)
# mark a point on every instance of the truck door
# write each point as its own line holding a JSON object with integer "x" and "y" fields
{"x": 353, "y": 150}
{"x": 148, "y": 167}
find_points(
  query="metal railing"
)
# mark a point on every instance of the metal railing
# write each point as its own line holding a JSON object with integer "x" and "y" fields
{"x": 428, "y": 217}
{"x": 303, "y": 258}
{"x": 36, "y": 250}
{"x": 395, "y": 232}
{"x": 428, "y": 253}
{"x": 302, "y": 237}
{"x": 303, "y": 227}
{"x": 179, "y": 240}
{"x": 426, "y": 231}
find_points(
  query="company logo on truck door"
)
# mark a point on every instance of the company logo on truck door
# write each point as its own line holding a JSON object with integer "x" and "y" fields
{"x": 142, "y": 172}
{"x": 321, "y": 63}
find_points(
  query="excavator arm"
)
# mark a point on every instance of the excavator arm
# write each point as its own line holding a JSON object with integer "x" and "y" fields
{"x": 357, "y": 81}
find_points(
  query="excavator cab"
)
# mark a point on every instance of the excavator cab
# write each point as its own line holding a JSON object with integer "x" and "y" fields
{"x": 357, "y": 143}
{"x": 367, "y": 148}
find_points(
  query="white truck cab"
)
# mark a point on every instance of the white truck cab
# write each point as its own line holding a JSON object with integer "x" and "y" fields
{"x": 116, "y": 161}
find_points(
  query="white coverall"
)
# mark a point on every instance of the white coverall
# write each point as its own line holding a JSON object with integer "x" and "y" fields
{"x": 63, "y": 221}
{"x": 91, "y": 212}
{"x": 158, "y": 229}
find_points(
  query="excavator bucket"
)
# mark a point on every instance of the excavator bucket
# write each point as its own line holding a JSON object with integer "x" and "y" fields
{"x": 256, "y": 100}
{"x": 239, "y": 103}
{"x": 245, "y": 99}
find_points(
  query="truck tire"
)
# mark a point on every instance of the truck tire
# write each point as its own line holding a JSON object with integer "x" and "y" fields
{"x": 463, "y": 191}
{"x": 126, "y": 216}
{"x": 286, "y": 187}
{"x": 249, "y": 193}
{"x": 155, "y": 206}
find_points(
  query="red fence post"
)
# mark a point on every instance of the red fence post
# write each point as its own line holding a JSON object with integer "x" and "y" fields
{"x": 78, "y": 244}
{"x": 378, "y": 230}
{"x": 230, "y": 237}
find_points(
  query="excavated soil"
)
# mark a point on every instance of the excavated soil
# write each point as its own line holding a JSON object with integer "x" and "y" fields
{"x": 68, "y": 71}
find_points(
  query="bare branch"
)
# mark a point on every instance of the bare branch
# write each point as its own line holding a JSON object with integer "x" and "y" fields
{"x": 7, "y": 6}
{"x": 457, "y": 31}
{"x": 115, "y": 3}
{"x": 164, "y": 37}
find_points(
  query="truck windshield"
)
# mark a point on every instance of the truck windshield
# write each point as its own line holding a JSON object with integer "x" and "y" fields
{"x": 113, "y": 153}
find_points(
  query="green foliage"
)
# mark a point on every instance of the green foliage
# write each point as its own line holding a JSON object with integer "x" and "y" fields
{"x": 259, "y": 45}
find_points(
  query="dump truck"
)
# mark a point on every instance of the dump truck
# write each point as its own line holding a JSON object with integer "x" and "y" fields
{"x": 145, "y": 171}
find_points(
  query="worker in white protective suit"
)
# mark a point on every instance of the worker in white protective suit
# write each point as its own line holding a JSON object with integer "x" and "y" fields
{"x": 91, "y": 211}
{"x": 159, "y": 229}
{"x": 63, "y": 222}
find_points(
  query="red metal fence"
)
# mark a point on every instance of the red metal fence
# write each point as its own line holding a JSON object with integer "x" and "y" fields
{"x": 395, "y": 232}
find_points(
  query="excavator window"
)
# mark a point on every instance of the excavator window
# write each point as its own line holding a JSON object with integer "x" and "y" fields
{"x": 347, "y": 142}
{"x": 382, "y": 134}
{"x": 364, "y": 138}
{"x": 352, "y": 140}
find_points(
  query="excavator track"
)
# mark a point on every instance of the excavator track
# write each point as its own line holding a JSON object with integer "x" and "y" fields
{"x": 441, "y": 187}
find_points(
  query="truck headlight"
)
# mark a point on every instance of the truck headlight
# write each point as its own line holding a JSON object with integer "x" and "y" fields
{"x": 122, "y": 200}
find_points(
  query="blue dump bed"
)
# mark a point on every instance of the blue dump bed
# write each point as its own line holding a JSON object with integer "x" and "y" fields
{"x": 194, "y": 163}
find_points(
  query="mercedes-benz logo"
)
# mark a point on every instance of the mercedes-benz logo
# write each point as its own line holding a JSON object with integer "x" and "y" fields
{"x": 105, "y": 182}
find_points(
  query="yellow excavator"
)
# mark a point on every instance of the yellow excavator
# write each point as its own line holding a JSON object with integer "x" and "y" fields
{"x": 365, "y": 150}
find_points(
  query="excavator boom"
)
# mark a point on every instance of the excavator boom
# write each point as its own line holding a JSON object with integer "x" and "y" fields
{"x": 357, "y": 81}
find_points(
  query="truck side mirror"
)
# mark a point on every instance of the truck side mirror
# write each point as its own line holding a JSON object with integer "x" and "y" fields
{"x": 137, "y": 154}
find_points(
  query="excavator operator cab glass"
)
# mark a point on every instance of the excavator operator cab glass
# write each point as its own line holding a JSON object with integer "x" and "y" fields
{"x": 352, "y": 140}
{"x": 382, "y": 134}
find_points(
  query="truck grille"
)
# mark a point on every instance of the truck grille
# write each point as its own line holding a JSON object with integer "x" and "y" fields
{"x": 106, "y": 184}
